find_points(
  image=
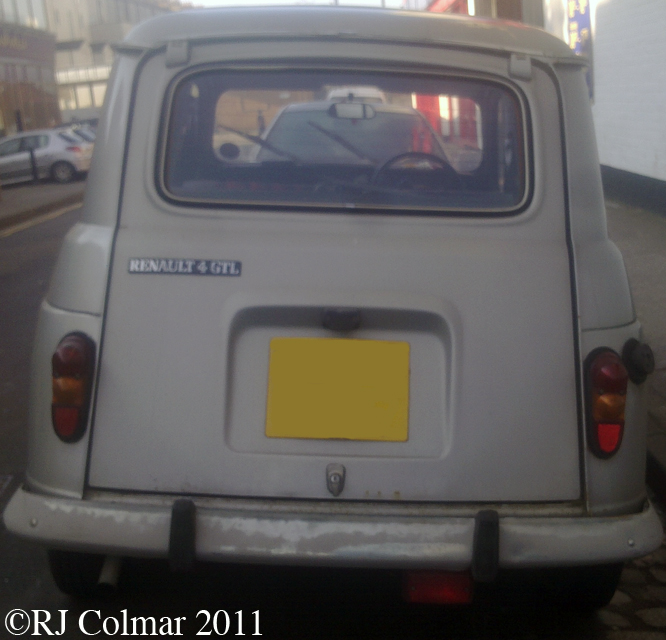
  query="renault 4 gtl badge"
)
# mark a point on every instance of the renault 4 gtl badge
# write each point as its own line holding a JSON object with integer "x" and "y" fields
{"x": 180, "y": 266}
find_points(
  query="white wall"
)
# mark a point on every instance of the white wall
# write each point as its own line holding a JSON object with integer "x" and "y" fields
{"x": 630, "y": 85}
{"x": 629, "y": 49}
{"x": 554, "y": 18}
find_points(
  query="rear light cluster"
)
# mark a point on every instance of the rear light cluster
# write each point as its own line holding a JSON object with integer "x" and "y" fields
{"x": 606, "y": 382}
{"x": 73, "y": 365}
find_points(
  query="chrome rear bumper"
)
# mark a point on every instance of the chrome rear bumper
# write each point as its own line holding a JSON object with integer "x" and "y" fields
{"x": 333, "y": 539}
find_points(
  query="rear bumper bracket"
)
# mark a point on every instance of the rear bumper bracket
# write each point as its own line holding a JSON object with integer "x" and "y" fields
{"x": 485, "y": 553}
{"x": 182, "y": 534}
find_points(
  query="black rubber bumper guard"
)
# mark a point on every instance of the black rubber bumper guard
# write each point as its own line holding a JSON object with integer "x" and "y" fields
{"x": 485, "y": 554}
{"x": 182, "y": 535}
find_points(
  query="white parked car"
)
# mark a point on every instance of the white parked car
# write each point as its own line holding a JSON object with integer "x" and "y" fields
{"x": 344, "y": 350}
{"x": 58, "y": 154}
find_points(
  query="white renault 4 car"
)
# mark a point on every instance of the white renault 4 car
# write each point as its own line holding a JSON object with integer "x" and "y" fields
{"x": 380, "y": 335}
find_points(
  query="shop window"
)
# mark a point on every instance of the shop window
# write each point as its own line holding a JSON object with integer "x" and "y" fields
{"x": 24, "y": 17}
{"x": 66, "y": 98}
{"x": 9, "y": 9}
{"x": 39, "y": 14}
{"x": 99, "y": 90}
{"x": 83, "y": 96}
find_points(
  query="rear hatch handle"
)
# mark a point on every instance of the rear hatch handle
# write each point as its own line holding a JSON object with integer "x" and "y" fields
{"x": 342, "y": 319}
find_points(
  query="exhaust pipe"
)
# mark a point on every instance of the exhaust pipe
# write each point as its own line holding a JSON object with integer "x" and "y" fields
{"x": 110, "y": 573}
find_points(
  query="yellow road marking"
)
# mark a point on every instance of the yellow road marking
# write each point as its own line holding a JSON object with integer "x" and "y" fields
{"x": 38, "y": 220}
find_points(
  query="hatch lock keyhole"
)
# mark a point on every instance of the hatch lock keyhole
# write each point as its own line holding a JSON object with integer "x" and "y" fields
{"x": 335, "y": 478}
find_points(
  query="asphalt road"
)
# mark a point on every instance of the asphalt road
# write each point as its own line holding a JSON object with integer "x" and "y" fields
{"x": 292, "y": 603}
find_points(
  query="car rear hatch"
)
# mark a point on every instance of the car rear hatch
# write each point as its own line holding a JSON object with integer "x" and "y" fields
{"x": 254, "y": 342}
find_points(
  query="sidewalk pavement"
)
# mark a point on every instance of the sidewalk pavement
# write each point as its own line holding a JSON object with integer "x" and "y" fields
{"x": 640, "y": 234}
{"x": 636, "y": 210}
{"x": 24, "y": 201}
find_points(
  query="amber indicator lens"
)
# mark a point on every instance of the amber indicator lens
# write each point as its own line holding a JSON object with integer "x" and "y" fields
{"x": 607, "y": 380}
{"x": 73, "y": 364}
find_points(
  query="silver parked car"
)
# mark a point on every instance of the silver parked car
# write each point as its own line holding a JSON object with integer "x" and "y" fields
{"x": 389, "y": 334}
{"x": 58, "y": 154}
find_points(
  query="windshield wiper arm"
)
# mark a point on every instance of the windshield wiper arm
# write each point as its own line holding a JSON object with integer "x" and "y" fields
{"x": 261, "y": 142}
{"x": 342, "y": 142}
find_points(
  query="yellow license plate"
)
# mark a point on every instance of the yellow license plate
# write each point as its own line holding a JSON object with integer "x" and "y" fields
{"x": 338, "y": 388}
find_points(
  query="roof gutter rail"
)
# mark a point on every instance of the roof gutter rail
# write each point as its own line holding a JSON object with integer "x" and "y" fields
{"x": 129, "y": 48}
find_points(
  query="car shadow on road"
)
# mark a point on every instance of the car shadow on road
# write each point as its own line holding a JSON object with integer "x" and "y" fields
{"x": 306, "y": 602}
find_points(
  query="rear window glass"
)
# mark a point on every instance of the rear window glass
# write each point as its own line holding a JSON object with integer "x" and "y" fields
{"x": 345, "y": 140}
{"x": 84, "y": 135}
{"x": 69, "y": 138}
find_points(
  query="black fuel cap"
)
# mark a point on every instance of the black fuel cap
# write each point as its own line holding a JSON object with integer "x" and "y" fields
{"x": 639, "y": 360}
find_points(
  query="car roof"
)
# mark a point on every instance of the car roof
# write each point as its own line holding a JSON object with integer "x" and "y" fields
{"x": 349, "y": 23}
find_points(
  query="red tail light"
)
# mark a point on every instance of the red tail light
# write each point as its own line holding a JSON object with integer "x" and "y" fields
{"x": 438, "y": 587}
{"x": 74, "y": 149}
{"x": 73, "y": 365}
{"x": 606, "y": 382}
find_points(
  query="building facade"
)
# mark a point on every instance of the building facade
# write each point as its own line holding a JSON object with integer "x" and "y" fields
{"x": 625, "y": 41}
{"x": 85, "y": 32}
{"x": 28, "y": 96}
